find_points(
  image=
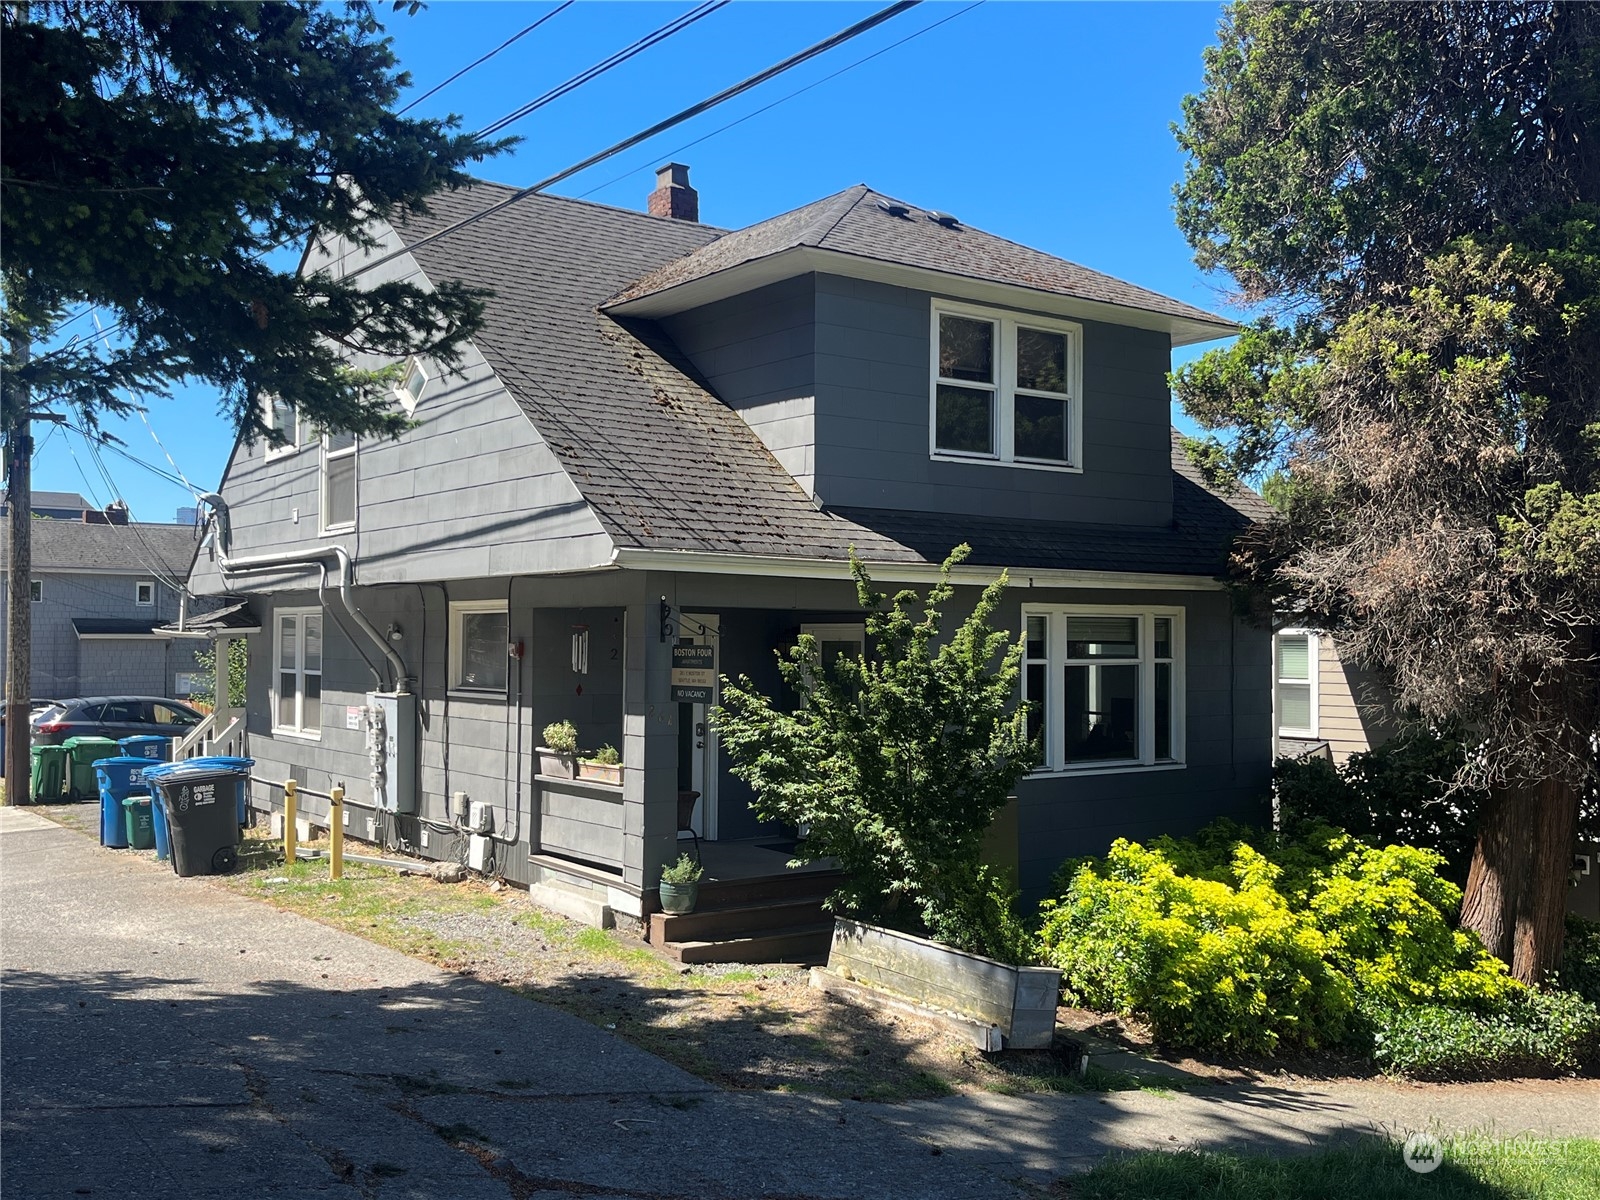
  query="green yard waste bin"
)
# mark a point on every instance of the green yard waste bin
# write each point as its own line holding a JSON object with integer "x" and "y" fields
{"x": 83, "y": 753}
{"x": 49, "y": 776}
{"x": 141, "y": 822}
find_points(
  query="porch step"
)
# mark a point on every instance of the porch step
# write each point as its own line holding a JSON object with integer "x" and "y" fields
{"x": 766, "y": 889}
{"x": 718, "y": 924}
{"x": 804, "y": 944}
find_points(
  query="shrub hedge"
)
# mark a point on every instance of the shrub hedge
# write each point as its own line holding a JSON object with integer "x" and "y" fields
{"x": 1310, "y": 942}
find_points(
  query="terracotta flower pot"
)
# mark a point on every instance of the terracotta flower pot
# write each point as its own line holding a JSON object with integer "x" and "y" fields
{"x": 556, "y": 764}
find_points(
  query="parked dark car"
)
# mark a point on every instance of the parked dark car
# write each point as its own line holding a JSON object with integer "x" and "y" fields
{"x": 113, "y": 717}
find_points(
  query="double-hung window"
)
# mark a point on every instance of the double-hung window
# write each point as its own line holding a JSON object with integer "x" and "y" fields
{"x": 279, "y": 416}
{"x": 298, "y": 702}
{"x": 480, "y": 635}
{"x": 338, "y": 482}
{"x": 1006, "y": 388}
{"x": 1295, "y": 693}
{"x": 1104, "y": 685}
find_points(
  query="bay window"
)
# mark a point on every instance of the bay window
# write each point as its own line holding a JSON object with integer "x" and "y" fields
{"x": 1104, "y": 685}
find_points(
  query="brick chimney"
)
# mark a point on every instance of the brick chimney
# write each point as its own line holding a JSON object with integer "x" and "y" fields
{"x": 673, "y": 196}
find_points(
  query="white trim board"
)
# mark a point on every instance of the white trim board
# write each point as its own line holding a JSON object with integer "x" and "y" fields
{"x": 804, "y": 260}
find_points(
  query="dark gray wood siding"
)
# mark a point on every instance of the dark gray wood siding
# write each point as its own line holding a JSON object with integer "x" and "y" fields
{"x": 872, "y": 412}
{"x": 756, "y": 353}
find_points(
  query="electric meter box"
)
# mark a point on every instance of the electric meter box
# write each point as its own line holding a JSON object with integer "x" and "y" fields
{"x": 392, "y": 751}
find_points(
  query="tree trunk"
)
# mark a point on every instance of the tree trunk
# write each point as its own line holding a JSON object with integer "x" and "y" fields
{"x": 1516, "y": 897}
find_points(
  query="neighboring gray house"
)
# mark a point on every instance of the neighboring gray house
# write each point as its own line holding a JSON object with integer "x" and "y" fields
{"x": 60, "y": 506}
{"x": 668, "y": 436}
{"x": 102, "y": 588}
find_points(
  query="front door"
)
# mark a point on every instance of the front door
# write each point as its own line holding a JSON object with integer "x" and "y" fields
{"x": 697, "y": 743}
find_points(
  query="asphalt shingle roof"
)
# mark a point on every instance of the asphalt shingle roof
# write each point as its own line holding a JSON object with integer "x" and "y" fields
{"x": 853, "y": 222}
{"x": 663, "y": 463}
{"x": 138, "y": 548}
{"x": 112, "y": 627}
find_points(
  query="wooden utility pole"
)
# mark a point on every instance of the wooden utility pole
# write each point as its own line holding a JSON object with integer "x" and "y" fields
{"x": 19, "y": 615}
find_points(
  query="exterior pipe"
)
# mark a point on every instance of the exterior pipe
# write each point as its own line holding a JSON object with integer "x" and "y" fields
{"x": 301, "y": 558}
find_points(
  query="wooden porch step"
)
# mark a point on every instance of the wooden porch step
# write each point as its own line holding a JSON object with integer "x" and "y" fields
{"x": 714, "y": 924}
{"x": 806, "y": 944}
{"x": 765, "y": 889}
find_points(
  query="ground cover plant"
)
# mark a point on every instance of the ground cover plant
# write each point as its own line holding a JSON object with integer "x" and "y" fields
{"x": 1253, "y": 943}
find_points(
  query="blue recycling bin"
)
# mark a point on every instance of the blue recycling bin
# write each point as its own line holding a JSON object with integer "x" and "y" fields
{"x": 147, "y": 746}
{"x": 118, "y": 778}
{"x": 204, "y": 802}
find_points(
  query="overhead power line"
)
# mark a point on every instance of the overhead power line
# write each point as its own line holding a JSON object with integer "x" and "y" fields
{"x": 694, "y": 110}
{"x": 676, "y": 25}
{"x": 782, "y": 99}
{"x": 476, "y": 63}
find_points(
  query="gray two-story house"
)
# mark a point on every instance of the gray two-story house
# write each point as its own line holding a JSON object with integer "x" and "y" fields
{"x": 102, "y": 591}
{"x": 654, "y": 462}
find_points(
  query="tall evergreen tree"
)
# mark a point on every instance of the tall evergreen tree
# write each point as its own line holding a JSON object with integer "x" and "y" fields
{"x": 152, "y": 155}
{"x": 1411, "y": 193}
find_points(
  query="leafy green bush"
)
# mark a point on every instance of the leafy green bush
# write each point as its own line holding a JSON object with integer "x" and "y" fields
{"x": 1580, "y": 959}
{"x": 896, "y": 761}
{"x": 1223, "y": 946}
{"x": 1210, "y": 965}
{"x": 1400, "y": 793}
{"x": 1531, "y": 1033}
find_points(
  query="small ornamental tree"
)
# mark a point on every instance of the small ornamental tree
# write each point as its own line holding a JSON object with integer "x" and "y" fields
{"x": 896, "y": 762}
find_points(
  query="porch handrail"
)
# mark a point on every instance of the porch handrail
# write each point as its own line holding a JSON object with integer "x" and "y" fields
{"x": 202, "y": 737}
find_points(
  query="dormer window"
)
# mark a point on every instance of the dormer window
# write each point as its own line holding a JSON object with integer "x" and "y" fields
{"x": 1006, "y": 388}
{"x": 411, "y": 386}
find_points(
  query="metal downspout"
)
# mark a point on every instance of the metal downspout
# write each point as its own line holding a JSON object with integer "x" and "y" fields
{"x": 300, "y": 558}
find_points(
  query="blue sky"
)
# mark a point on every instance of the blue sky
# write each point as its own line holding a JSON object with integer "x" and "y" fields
{"x": 1046, "y": 123}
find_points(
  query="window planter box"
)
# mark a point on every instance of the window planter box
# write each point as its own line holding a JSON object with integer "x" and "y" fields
{"x": 600, "y": 772}
{"x": 1004, "y": 1007}
{"x": 555, "y": 764}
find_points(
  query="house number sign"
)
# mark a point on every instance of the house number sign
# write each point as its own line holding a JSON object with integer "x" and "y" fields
{"x": 694, "y": 674}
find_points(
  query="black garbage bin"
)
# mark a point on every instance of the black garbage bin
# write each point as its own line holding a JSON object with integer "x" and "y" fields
{"x": 201, "y": 804}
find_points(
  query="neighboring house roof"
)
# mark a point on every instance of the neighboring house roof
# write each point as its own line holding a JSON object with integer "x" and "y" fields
{"x": 666, "y": 465}
{"x": 138, "y": 548}
{"x": 112, "y": 627}
{"x": 55, "y": 500}
{"x": 857, "y": 222}
{"x": 234, "y": 617}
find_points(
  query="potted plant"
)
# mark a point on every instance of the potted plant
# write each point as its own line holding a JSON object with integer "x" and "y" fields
{"x": 680, "y": 885}
{"x": 603, "y": 766}
{"x": 558, "y": 755}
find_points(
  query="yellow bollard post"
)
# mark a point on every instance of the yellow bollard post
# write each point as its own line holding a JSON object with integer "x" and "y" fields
{"x": 336, "y": 834}
{"x": 289, "y": 816}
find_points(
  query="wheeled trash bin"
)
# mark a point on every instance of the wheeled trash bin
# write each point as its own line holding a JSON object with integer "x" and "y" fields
{"x": 201, "y": 800}
{"x": 147, "y": 745}
{"x": 82, "y": 754}
{"x": 49, "y": 775}
{"x": 118, "y": 779}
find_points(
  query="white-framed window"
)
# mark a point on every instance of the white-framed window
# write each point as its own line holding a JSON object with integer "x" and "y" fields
{"x": 1294, "y": 692}
{"x": 297, "y": 682}
{"x": 1005, "y": 388}
{"x": 413, "y": 382}
{"x": 837, "y": 641}
{"x": 338, "y": 482}
{"x": 1104, "y": 685}
{"x": 144, "y": 592}
{"x": 36, "y": 590}
{"x": 480, "y": 636}
{"x": 279, "y": 415}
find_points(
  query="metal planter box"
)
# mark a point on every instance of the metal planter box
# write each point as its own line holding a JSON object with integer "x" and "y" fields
{"x": 1018, "y": 1001}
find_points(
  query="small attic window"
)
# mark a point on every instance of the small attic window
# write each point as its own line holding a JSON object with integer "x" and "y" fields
{"x": 412, "y": 384}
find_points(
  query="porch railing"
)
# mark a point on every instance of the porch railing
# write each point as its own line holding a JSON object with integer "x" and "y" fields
{"x": 206, "y": 739}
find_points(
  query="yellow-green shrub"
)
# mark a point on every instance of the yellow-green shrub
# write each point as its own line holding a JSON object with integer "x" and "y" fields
{"x": 1222, "y": 946}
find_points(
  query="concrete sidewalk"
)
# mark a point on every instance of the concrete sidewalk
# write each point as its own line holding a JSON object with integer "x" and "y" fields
{"x": 163, "y": 1037}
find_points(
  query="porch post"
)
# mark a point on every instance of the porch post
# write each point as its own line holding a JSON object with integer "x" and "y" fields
{"x": 222, "y": 647}
{"x": 649, "y": 751}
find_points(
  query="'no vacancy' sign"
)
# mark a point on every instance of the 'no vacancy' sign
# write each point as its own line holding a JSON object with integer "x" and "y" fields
{"x": 694, "y": 674}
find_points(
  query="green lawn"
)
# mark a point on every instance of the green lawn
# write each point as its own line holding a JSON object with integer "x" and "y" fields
{"x": 1471, "y": 1169}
